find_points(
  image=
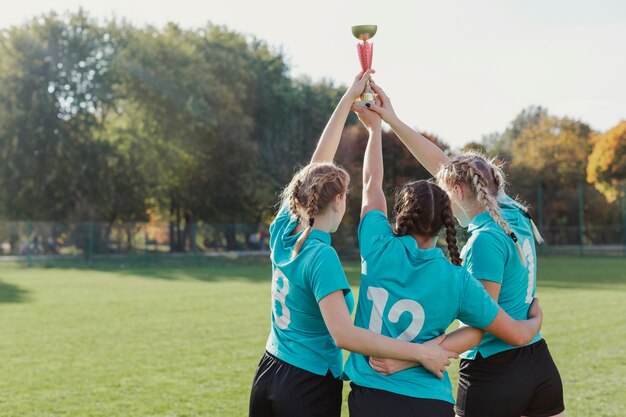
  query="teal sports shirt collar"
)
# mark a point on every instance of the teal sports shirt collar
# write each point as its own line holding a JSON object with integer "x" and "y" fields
{"x": 510, "y": 213}
{"x": 423, "y": 254}
{"x": 315, "y": 234}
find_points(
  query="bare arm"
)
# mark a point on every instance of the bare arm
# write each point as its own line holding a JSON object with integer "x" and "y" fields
{"x": 355, "y": 339}
{"x": 463, "y": 339}
{"x": 513, "y": 332}
{"x": 329, "y": 141}
{"x": 373, "y": 195}
{"x": 504, "y": 327}
{"x": 459, "y": 341}
{"x": 467, "y": 337}
{"x": 427, "y": 153}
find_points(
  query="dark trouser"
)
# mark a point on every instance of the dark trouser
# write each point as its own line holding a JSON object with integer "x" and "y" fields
{"x": 283, "y": 390}
{"x": 371, "y": 402}
{"x": 513, "y": 383}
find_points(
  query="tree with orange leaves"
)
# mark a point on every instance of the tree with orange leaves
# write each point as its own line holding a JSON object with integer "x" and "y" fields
{"x": 606, "y": 165}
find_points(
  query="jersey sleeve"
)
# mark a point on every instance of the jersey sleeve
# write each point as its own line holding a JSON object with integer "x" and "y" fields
{"x": 327, "y": 275}
{"x": 374, "y": 229}
{"x": 477, "y": 308}
{"x": 486, "y": 258}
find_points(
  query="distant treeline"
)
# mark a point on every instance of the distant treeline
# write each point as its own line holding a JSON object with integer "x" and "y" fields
{"x": 106, "y": 121}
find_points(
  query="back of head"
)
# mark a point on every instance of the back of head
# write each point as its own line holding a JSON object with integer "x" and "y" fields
{"x": 310, "y": 192}
{"x": 422, "y": 208}
{"x": 485, "y": 180}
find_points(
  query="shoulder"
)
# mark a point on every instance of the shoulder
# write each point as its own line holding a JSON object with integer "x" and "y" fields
{"x": 456, "y": 273}
{"x": 321, "y": 255}
{"x": 491, "y": 237}
{"x": 325, "y": 252}
{"x": 374, "y": 221}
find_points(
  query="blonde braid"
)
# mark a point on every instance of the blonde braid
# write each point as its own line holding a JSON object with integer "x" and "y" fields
{"x": 490, "y": 203}
{"x": 522, "y": 207}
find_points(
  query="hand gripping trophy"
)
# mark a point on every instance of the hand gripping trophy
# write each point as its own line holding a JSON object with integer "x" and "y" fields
{"x": 365, "y": 49}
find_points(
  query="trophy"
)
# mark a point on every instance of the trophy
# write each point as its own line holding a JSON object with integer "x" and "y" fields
{"x": 365, "y": 49}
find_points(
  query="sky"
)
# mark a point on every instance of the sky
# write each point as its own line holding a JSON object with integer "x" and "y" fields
{"x": 459, "y": 69}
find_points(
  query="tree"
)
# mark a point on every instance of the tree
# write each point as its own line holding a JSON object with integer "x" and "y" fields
{"x": 607, "y": 162}
{"x": 56, "y": 89}
{"x": 553, "y": 151}
{"x": 474, "y": 147}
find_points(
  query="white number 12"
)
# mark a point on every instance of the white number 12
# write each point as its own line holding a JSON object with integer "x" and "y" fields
{"x": 379, "y": 298}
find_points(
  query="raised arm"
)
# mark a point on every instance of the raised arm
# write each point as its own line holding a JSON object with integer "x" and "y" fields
{"x": 355, "y": 339}
{"x": 427, "y": 153}
{"x": 329, "y": 141}
{"x": 373, "y": 195}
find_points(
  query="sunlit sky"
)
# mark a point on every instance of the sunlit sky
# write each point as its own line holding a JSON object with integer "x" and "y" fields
{"x": 459, "y": 69}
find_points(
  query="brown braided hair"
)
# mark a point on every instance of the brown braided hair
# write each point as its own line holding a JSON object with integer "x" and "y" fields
{"x": 485, "y": 179}
{"x": 310, "y": 192}
{"x": 422, "y": 208}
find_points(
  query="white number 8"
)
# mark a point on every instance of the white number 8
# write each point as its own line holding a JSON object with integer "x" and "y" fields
{"x": 280, "y": 295}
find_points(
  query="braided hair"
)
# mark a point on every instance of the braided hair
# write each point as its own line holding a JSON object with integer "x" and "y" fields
{"x": 423, "y": 208}
{"x": 310, "y": 192}
{"x": 486, "y": 180}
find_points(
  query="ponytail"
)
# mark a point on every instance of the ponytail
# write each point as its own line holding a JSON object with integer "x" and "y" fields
{"x": 448, "y": 220}
{"x": 310, "y": 192}
{"x": 422, "y": 208}
{"x": 524, "y": 209}
{"x": 302, "y": 238}
{"x": 490, "y": 203}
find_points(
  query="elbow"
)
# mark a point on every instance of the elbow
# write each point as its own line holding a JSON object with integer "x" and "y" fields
{"x": 369, "y": 185}
{"x": 522, "y": 339}
{"x": 518, "y": 341}
{"x": 341, "y": 344}
{"x": 341, "y": 339}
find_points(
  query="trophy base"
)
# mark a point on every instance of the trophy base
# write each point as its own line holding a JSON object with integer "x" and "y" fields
{"x": 368, "y": 96}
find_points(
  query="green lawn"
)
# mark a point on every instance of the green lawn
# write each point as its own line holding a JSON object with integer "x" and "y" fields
{"x": 185, "y": 341}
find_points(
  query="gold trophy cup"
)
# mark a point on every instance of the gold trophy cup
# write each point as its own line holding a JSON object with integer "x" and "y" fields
{"x": 365, "y": 49}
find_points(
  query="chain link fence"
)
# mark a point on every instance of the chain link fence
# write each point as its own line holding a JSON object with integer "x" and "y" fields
{"x": 575, "y": 222}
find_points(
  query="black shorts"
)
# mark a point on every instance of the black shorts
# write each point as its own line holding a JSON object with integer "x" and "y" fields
{"x": 371, "y": 402}
{"x": 518, "y": 382}
{"x": 283, "y": 390}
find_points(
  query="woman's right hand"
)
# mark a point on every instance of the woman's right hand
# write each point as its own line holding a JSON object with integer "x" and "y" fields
{"x": 358, "y": 85}
{"x": 384, "y": 107}
{"x": 435, "y": 358}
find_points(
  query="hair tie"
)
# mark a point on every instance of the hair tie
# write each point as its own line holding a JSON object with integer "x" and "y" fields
{"x": 513, "y": 237}
{"x": 527, "y": 214}
{"x": 311, "y": 221}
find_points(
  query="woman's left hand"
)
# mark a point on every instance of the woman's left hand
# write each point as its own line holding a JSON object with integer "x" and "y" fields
{"x": 386, "y": 366}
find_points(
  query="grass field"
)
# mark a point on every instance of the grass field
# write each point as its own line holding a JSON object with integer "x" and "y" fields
{"x": 185, "y": 341}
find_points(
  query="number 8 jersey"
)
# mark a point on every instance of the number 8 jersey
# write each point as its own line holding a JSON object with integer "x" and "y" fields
{"x": 298, "y": 333}
{"x": 411, "y": 294}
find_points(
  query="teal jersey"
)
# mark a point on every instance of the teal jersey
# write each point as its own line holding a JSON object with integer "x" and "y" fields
{"x": 491, "y": 255}
{"x": 411, "y": 294}
{"x": 298, "y": 333}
